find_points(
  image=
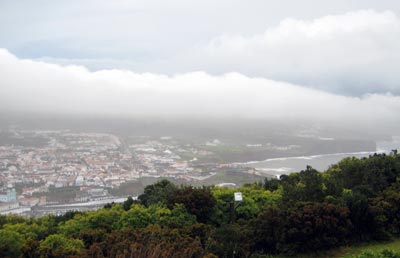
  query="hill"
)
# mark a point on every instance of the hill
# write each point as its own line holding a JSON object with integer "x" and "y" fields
{"x": 309, "y": 213}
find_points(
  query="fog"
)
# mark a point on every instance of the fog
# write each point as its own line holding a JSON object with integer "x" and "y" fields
{"x": 33, "y": 86}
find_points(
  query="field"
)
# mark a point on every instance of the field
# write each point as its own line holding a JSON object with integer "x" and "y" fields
{"x": 349, "y": 252}
{"x": 237, "y": 178}
{"x": 353, "y": 251}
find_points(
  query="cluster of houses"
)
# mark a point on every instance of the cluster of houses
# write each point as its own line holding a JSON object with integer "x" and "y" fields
{"x": 92, "y": 162}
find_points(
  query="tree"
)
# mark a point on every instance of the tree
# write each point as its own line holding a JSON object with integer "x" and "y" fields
{"x": 177, "y": 218}
{"x": 314, "y": 226}
{"x": 92, "y": 236}
{"x": 105, "y": 218}
{"x": 137, "y": 217}
{"x": 59, "y": 246}
{"x": 152, "y": 241}
{"x": 197, "y": 201}
{"x": 128, "y": 203}
{"x": 271, "y": 184}
{"x": 231, "y": 240}
{"x": 306, "y": 186}
{"x": 10, "y": 243}
{"x": 267, "y": 228}
{"x": 360, "y": 215}
{"x": 158, "y": 192}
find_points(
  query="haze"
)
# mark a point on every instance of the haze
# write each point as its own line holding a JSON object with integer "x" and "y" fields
{"x": 332, "y": 63}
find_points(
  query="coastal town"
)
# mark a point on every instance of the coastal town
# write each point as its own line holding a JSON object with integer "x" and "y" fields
{"x": 54, "y": 171}
{"x": 44, "y": 171}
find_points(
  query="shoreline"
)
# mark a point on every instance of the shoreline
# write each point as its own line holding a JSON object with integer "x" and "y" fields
{"x": 309, "y": 157}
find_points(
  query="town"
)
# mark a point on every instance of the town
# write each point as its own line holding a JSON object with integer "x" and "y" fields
{"x": 43, "y": 171}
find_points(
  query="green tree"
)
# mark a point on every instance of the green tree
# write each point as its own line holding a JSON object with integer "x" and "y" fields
{"x": 231, "y": 240}
{"x": 10, "y": 243}
{"x": 314, "y": 226}
{"x": 271, "y": 184}
{"x": 158, "y": 192}
{"x": 74, "y": 226}
{"x": 267, "y": 228}
{"x": 128, "y": 203}
{"x": 360, "y": 215}
{"x": 306, "y": 186}
{"x": 197, "y": 201}
{"x": 137, "y": 217}
{"x": 178, "y": 217}
{"x": 59, "y": 246}
{"x": 29, "y": 231}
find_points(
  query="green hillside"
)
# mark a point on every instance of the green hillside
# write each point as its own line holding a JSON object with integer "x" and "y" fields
{"x": 350, "y": 210}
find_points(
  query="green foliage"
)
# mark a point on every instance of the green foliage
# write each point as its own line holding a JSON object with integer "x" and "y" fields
{"x": 106, "y": 219}
{"x": 60, "y": 246}
{"x": 128, "y": 203}
{"x": 75, "y": 225}
{"x": 382, "y": 254}
{"x": 376, "y": 172}
{"x": 10, "y": 243}
{"x": 300, "y": 229}
{"x": 10, "y": 219}
{"x": 255, "y": 198}
{"x": 271, "y": 184}
{"x": 231, "y": 240}
{"x": 178, "y": 218}
{"x": 356, "y": 200}
{"x": 304, "y": 186}
{"x": 315, "y": 226}
{"x": 197, "y": 201}
{"x": 151, "y": 241}
{"x": 67, "y": 216}
{"x": 137, "y": 217}
{"x": 158, "y": 192}
{"x": 30, "y": 231}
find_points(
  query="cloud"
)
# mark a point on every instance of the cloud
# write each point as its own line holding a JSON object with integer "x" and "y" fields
{"x": 28, "y": 85}
{"x": 354, "y": 53}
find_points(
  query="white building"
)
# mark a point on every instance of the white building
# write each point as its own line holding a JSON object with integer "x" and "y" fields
{"x": 9, "y": 196}
{"x": 6, "y": 206}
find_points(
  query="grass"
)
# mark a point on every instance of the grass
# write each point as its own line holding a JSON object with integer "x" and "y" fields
{"x": 348, "y": 252}
{"x": 238, "y": 178}
{"x": 352, "y": 251}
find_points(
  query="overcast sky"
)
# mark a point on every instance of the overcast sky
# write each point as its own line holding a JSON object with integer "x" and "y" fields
{"x": 258, "y": 58}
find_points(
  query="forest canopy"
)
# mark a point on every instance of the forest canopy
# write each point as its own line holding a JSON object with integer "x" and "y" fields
{"x": 355, "y": 200}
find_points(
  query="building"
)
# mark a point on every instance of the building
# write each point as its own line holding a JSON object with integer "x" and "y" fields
{"x": 6, "y": 206}
{"x": 9, "y": 196}
{"x": 32, "y": 201}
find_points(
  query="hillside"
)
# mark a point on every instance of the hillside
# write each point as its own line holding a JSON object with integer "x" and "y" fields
{"x": 353, "y": 203}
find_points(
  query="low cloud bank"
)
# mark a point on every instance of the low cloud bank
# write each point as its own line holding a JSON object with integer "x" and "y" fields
{"x": 27, "y": 85}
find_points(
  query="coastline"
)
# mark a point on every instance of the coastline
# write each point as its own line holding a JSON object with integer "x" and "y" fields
{"x": 308, "y": 157}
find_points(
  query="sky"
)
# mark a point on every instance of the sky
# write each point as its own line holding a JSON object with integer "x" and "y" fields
{"x": 312, "y": 59}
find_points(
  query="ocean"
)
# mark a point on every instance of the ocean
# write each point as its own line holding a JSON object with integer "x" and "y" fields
{"x": 287, "y": 165}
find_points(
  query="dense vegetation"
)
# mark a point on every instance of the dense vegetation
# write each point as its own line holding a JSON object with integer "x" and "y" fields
{"x": 356, "y": 200}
